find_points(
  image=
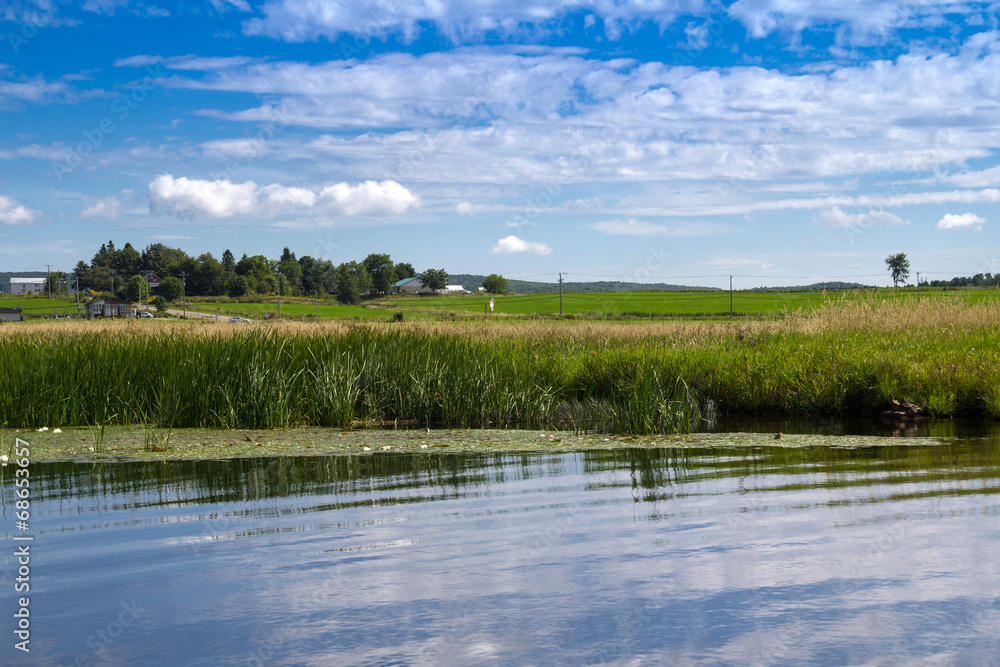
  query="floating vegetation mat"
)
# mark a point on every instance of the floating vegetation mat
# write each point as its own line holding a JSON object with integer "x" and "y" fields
{"x": 133, "y": 443}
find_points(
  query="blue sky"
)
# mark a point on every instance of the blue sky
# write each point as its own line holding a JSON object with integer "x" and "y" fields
{"x": 780, "y": 141}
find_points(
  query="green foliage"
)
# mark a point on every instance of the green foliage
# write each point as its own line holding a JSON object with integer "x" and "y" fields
{"x": 135, "y": 289}
{"x": 353, "y": 283}
{"x": 899, "y": 268}
{"x": 620, "y": 378}
{"x": 382, "y": 271}
{"x": 435, "y": 279}
{"x": 237, "y": 286}
{"x": 170, "y": 289}
{"x": 495, "y": 284}
{"x": 405, "y": 270}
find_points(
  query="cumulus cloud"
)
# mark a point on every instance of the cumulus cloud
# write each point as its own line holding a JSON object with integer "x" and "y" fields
{"x": 13, "y": 212}
{"x": 963, "y": 221}
{"x": 512, "y": 245}
{"x": 184, "y": 197}
{"x": 368, "y": 198}
{"x": 837, "y": 218}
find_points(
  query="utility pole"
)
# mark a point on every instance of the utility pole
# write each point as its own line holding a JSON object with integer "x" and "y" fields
{"x": 730, "y": 296}
{"x": 316, "y": 301}
{"x": 48, "y": 279}
{"x": 279, "y": 293}
{"x": 918, "y": 287}
{"x": 184, "y": 293}
{"x": 78, "y": 296}
{"x": 560, "y": 294}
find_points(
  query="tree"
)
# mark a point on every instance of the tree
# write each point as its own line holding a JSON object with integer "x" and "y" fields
{"x": 382, "y": 271}
{"x": 171, "y": 288}
{"x": 435, "y": 279}
{"x": 405, "y": 270}
{"x": 135, "y": 289}
{"x": 899, "y": 268}
{"x": 228, "y": 261}
{"x": 237, "y": 286}
{"x": 57, "y": 283}
{"x": 495, "y": 284}
{"x": 353, "y": 282}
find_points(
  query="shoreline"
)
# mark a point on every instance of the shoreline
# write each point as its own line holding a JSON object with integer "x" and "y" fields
{"x": 127, "y": 443}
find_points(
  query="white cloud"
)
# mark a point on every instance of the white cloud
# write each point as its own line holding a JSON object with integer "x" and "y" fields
{"x": 510, "y": 245}
{"x": 837, "y": 218}
{"x": 13, "y": 212}
{"x": 183, "y": 197}
{"x": 105, "y": 207}
{"x": 852, "y": 22}
{"x": 369, "y": 198}
{"x": 502, "y": 115}
{"x": 636, "y": 227}
{"x": 305, "y": 20}
{"x": 963, "y": 221}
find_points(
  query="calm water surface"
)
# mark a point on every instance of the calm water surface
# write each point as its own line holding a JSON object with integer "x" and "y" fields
{"x": 713, "y": 556}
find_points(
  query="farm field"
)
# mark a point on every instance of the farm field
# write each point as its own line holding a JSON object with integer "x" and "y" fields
{"x": 661, "y": 304}
{"x": 289, "y": 308}
{"x": 39, "y": 307}
{"x": 608, "y": 305}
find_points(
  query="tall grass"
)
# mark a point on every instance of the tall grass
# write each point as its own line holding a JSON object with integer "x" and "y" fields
{"x": 844, "y": 358}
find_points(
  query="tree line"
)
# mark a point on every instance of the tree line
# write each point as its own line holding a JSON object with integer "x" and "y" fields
{"x": 122, "y": 271}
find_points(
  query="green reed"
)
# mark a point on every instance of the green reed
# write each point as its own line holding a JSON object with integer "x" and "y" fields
{"x": 640, "y": 378}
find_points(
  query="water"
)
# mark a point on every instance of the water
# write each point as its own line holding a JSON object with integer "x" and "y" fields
{"x": 708, "y": 556}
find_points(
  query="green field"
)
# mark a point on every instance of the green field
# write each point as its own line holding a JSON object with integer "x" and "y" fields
{"x": 38, "y": 306}
{"x": 661, "y": 304}
{"x": 289, "y": 308}
{"x": 610, "y": 305}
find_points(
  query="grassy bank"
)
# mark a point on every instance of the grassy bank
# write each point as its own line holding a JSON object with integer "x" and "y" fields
{"x": 843, "y": 358}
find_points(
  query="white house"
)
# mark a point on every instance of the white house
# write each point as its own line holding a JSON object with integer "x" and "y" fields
{"x": 25, "y": 285}
{"x": 453, "y": 289}
{"x": 112, "y": 307}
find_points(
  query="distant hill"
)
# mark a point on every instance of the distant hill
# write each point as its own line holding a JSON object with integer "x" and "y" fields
{"x": 6, "y": 276}
{"x": 472, "y": 282}
{"x": 815, "y": 287}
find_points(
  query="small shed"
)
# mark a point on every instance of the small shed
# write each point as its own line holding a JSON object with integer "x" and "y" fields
{"x": 112, "y": 307}
{"x": 11, "y": 314}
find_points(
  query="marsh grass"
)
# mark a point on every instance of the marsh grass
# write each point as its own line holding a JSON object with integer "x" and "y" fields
{"x": 844, "y": 358}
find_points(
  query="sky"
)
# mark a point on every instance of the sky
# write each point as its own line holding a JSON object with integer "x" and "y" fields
{"x": 781, "y": 142}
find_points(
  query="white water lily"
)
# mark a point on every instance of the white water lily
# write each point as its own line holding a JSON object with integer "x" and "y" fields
{"x": 44, "y": 428}
{"x": 366, "y": 449}
{"x": 387, "y": 447}
{"x": 423, "y": 446}
{"x": 57, "y": 430}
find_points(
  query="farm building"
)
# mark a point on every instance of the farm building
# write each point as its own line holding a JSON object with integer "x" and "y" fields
{"x": 26, "y": 285}
{"x": 11, "y": 314}
{"x": 111, "y": 307}
{"x": 410, "y": 286}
